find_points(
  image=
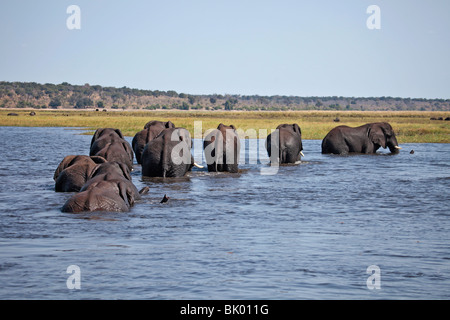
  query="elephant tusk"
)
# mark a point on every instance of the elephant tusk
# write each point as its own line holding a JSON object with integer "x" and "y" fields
{"x": 301, "y": 153}
{"x": 397, "y": 147}
{"x": 198, "y": 166}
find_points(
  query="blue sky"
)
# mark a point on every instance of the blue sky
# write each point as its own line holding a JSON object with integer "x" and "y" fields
{"x": 300, "y": 48}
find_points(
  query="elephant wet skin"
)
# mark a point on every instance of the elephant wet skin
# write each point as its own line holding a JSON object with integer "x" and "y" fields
{"x": 287, "y": 140}
{"x": 151, "y": 130}
{"x": 366, "y": 139}
{"x": 110, "y": 144}
{"x": 222, "y": 149}
{"x": 109, "y": 189}
{"x": 74, "y": 170}
{"x": 168, "y": 155}
{"x": 107, "y": 195}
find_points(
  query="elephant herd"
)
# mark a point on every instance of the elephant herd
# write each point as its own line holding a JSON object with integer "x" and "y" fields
{"x": 102, "y": 181}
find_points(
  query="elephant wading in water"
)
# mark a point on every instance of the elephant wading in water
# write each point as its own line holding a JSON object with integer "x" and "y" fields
{"x": 110, "y": 144}
{"x": 151, "y": 130}
{"x": 73, "y": 172}
{"x": 109, "y": 189}
{"x": 366, "y": 139}
{"x": 289, "y": 148}
{"x": 222, "y": 148}
{"x": 169, "y": 154}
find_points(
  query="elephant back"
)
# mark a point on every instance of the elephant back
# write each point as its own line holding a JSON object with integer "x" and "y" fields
{"x": 167, "y": 155}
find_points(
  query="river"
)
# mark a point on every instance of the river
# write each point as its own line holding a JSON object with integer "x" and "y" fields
{"x": 332, "y": 227}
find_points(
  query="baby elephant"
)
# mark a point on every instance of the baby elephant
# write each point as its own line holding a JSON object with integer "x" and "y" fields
{"x": 109, "y": 189}
{"x": 73, "y": 172}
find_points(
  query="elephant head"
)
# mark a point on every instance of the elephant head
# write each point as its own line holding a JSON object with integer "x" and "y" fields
{"x": 111, "y": 145}
{"x": 151, "y": 130}
{"x": 168, "y": 155}
{"x": 382, "y": 135}
{"x": 74, "y": 170}
{"x": 111, "y": 170}
{"x": 286, "y": 144}
{"x": 104, "y": 195}
{"x": 159, "y": 124}
{"x": 111, "y": 133}
{"x": 222, "y": 149}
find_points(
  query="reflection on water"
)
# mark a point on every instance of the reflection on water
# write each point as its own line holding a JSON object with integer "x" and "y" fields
{"x": 308, "y": 232}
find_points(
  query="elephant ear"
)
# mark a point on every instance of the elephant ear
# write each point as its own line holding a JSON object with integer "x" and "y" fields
{"x": 119, "y": 133}
{"x": 376, "y": 135}
{"x": 126, "y": 194}
{"x": 169, "y": 124}
{"x": 63, "y": 165}
{"x": 125, "y": 170}
{"x": 128, "y": 149}
{"x": 297, "y": 128}
{"x": 97, "y": 134}
{"x": 98, "y": 159}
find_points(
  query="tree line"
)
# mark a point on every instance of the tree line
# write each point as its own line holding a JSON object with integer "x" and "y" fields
{"x": 65, "y": 95}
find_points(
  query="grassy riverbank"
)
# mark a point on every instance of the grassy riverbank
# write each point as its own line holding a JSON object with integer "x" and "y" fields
{"x": 410, "y": 126}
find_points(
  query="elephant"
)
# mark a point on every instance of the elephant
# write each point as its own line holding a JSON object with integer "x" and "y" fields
{"x": 365, "y": 139}
{"x": 222, "y": 148}
{"x": 106, "y": 135}
{"x": 110, "y": 144}
{"x": 105, "y": 195}
{"x": 168, "y": 155}
{"x": 109, "y": 189}
{"x": 290, "y": 146}
{"x": 150, "y": 131}
{"x": 111, "y": 170}
{"x": 73, "y": 172}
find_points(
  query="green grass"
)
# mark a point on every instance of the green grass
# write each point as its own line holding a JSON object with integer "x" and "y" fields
{"x": 410, "y": 126}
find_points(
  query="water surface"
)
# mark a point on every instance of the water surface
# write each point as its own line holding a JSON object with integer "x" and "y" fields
{"x": 308, "y": 232}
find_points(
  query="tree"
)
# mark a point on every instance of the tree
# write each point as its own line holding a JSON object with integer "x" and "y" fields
{"x": 172, "y": 93}
{"x": 192, "y": 99}
{"x": 230, "y": 103}
{"x": 83, "y": 103}
{"x": 54, "y": 103}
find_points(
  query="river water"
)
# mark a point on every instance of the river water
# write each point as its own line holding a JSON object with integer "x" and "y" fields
{"x": 307, "y": 231}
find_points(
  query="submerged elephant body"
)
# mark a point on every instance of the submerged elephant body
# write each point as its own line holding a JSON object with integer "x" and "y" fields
{"x": 151, "y": 130}
{"x": 103, "y": 196}
{"x": 366, "y": 139}
{"x": 285, "y": 146}
{"x": 74, "y": 170}
{"x": 222, "y": 149}
{"x": 109, "y": 189}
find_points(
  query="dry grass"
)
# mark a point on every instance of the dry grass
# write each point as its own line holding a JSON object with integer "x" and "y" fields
{"x": 410, "y": 126}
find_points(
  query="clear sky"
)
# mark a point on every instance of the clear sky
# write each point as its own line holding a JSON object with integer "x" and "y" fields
{"x": 280, "y": 47}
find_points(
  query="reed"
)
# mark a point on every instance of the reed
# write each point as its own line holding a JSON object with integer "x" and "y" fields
{"x": 410, "y": 126}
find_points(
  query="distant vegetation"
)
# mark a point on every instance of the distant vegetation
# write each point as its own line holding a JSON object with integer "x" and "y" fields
{"x": 409, "y": 126}
{"x": 67, "y": 96}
